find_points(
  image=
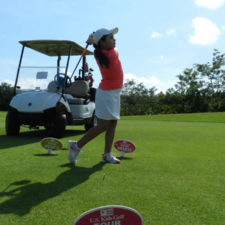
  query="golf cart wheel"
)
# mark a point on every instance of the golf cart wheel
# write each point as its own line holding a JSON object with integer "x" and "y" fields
{"x": 93, "y": 123}
{"x": 12, "y": 125}
{"x": 58, "y": 126}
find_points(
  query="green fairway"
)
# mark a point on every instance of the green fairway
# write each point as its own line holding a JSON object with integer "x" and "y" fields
{"x": 175, "y": 176}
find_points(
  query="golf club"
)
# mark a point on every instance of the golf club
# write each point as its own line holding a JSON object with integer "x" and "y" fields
{"x": 80, "y": 59}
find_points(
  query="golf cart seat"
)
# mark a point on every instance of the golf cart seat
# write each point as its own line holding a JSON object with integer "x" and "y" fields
{"x": 80, "y": 92}
{"x": 53, "y": 87}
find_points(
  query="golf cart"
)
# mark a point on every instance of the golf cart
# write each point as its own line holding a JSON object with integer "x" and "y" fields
{"x": 46, "y": 95}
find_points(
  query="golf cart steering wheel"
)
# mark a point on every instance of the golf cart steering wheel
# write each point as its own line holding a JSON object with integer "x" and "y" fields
{"x": 63, "y": 77}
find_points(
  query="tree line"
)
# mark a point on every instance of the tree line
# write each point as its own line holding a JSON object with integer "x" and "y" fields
{"x": 200, "y": 88}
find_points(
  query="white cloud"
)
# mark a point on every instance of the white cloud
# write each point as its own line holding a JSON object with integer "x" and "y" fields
{"x": 171, "y": 32}
{"x": 162, "y": 57}
{"x": 9, "y": 82}
{"x": 147, "y": 81}
{"x": 157, "y": 59}
{"x": 210, "y": 4}
{"x": 223, "y": 27}
{"x": 150, "y": 81}
{"x": 205, "y": 31}
{"x": 156, "y": 35}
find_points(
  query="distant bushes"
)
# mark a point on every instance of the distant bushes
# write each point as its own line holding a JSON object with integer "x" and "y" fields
{"x": 6, "y": 94}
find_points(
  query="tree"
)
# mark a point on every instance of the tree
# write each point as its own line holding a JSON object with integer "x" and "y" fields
{"x": 136, "y": 99}
{"x": 6, "y": 94}
{"x": 214, "y": 76}
{"x": 189, "y": 86}
{"x": 213, "y": 73}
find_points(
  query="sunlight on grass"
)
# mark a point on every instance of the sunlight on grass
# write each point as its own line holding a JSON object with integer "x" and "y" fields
{"x": 176, "y": 175}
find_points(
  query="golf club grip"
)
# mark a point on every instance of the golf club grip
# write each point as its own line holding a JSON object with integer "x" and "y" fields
{"x": 84, "y": 50}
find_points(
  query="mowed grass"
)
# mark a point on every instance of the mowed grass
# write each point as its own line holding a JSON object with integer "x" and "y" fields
{"x": 175, "y": 176}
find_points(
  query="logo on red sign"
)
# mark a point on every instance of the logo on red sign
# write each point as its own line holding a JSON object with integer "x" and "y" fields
{"x": 124, "y": 146}
{"x": 110, "y": 215}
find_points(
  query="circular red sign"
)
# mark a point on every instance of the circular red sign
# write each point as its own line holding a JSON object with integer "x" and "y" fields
{"x": 110, "y": 215}
{"x": 124, "y": 146}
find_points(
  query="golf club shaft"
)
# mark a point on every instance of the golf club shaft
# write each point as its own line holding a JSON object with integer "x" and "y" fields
{"x": 80, "y": 59}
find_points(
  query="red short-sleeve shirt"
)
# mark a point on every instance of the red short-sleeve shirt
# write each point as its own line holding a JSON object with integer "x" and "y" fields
{"x": 112, "y": 77}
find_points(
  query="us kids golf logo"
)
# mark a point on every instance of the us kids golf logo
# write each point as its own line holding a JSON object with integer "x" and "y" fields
{"x": 110, "y": 215}
{"x": 124, "y": 146}
{"x": 51, "y": 143}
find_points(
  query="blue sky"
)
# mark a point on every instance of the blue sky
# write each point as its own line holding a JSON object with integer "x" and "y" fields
{"x": 157, "y": 39}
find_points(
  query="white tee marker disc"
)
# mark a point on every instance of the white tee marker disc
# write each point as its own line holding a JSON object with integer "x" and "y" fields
{"x": 51, "y": 143}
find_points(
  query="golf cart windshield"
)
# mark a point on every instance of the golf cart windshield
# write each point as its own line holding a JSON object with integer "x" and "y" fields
{"x": 39, "y": 70}
{"x": 36, "y": 78}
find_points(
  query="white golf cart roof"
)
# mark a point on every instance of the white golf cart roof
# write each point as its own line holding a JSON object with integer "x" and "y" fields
{"x": 55, "y": 47}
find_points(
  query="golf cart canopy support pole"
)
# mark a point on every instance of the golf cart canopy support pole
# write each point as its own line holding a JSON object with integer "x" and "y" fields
{"x": 18, "y": 70}
{"x": 84, "y": 67}
{"x": 58, "y": 64}
{"x": 68, "y": 59}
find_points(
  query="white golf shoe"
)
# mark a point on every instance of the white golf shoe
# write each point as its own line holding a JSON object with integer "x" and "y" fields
{"x": 74, "y": 151}
{"x": 110, "y": 158}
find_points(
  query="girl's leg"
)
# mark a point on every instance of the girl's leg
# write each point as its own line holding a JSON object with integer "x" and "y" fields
{"x": 109, "y": 126}
{"x": 109, "y": 135}
{"x": 102, "y": 126}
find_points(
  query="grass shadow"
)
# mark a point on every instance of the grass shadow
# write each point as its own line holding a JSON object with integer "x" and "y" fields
{"x": 69, "y": 133}
{"x": 45, "y": 155}
{"x": 15, "y": 141}
{"x": 124, "y": 158}
{"x": 29, "y": 195}
{"x": 29, "y": 137}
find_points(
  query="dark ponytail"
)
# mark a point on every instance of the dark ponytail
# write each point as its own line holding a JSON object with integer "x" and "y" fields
{"x": 99, "y": 55}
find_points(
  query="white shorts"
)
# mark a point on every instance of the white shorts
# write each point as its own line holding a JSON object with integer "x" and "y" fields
{"x": 107, "y": 104}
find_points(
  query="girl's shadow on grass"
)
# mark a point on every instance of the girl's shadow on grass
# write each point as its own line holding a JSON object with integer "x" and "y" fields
{"x": 26, "y": 197}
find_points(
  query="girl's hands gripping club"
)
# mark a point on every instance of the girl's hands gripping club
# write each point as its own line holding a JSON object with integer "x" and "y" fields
{"x": 90, "y": 40}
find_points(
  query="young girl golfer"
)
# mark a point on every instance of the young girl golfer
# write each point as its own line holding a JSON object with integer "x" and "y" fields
{"x": 107, "y": 95}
